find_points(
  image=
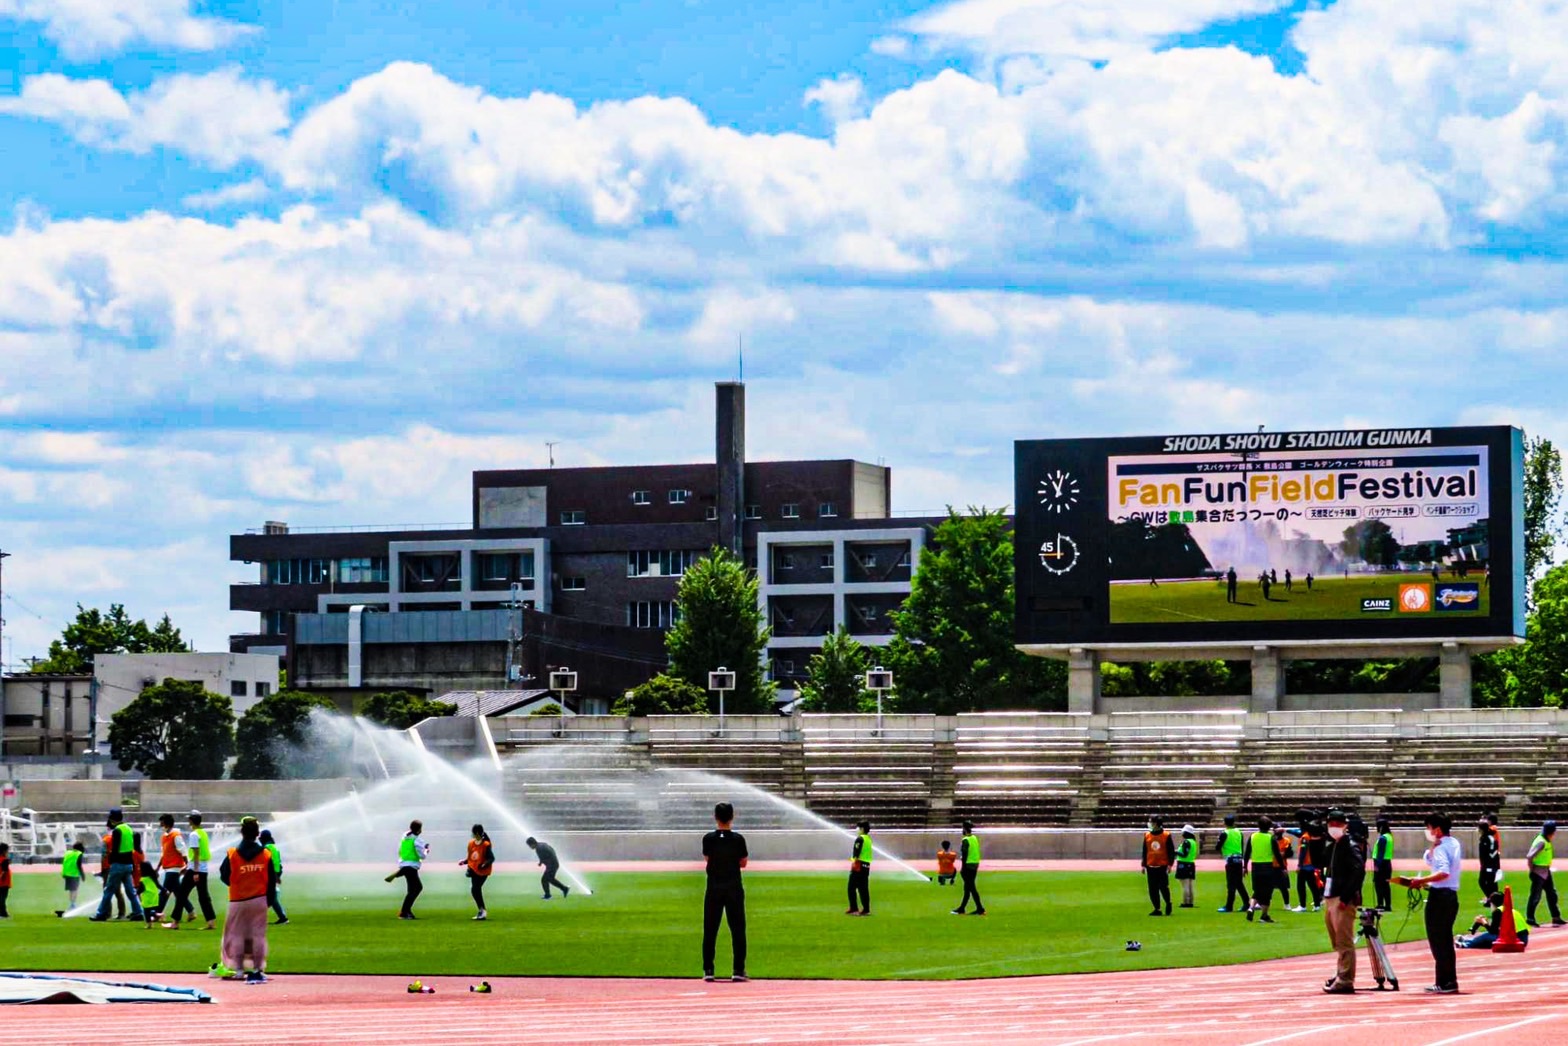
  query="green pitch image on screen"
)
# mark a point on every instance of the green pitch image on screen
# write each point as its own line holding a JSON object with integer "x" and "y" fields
{"x": 1333, "y": 597}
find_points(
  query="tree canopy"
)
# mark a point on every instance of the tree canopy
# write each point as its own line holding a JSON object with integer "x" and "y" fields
{"x": 1543, "y": 494}
{"x": 174, "y": 731}
{"x": 272, "y": 739}
{"x": 663, "y": 695}
{"x": 721, "y": 625}
{"x": 836, "y": 677}
{"x": 400, "y": 709}
{"x": 95, "y": 632}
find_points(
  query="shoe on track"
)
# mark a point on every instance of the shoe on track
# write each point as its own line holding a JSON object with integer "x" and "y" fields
{"x": 1339, "y": 989}
{"x": 739, "y": 978}
{"x": 708, "y": 976}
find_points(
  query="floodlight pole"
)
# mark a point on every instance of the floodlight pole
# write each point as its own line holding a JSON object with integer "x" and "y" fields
{"x": 879, "y": 680}
{"x": 716, "y": 682}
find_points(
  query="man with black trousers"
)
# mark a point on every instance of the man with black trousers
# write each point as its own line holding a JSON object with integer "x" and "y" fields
{"x": 1441, "y": 882}
{"x": 860, "y": 871}
{"x": 1231, "y": 846}
{"x": 1383, "y": 865}
{"x": 725, "y": 853}
{"x": 1491, "y": 854}
{"x": 551, "y": 863}
{"x": 1158, "y": 856}
{"x": 969, "y": 869}
{"x": 1345, "y": 871}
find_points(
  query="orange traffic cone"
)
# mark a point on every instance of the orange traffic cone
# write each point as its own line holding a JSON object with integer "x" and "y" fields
{"x": 1507, "y": 937}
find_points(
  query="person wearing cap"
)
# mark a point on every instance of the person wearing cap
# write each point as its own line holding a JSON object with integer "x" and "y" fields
{"x": 120, "y": 852}
{"x": 860, "y": 871}
{"x": 1231, "y": 846}
{"x": 247, "y": 870}
{"x": 198, "y": 846}
{"x": 1345, "y": 872}
{"x": 1159, "y": 853}
{"x": 1187, "y": 864}
{"x": 969, "y": 869}
{"x": 1539, "y": 860}
{"x": 1443, "y": 858}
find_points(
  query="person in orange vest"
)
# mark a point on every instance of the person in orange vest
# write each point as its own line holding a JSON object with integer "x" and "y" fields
{"x": 479, "y": 864}
{"x": 103, "y": 877}
{"x": 248, "y": 872}
{"x": 946, "y": 864}
{"x": 1159, "y": 853}
{"x": 171, "y": 863}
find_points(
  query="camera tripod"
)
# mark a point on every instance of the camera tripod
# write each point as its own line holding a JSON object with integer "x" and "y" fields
{"x": 1382, "y": 970}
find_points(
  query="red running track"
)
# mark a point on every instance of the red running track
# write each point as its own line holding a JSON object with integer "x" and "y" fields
{"x": 1519, "y": 1000}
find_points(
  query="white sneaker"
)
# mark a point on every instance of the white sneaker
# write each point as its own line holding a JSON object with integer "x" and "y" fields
{"x": 480, "y": 917}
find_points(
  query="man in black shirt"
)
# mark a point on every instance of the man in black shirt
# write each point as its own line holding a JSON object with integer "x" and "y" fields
{"x": 551, "y": 864}
{"x": 725, "y": 854}
{"x": 1345, "y": 872}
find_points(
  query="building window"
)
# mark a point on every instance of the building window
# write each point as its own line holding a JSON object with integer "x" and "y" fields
{"x": 712, "y": 515}
{"x": 263, "y": 689}
{"x": 869, "y": 561}
{"x": 791, "y": 510}
{"x": 753, "y": 511}
{"x": 903, "y": 559}
{"x": 574, "y": 584}
{"x": 660, "y": 562}
{"x": 783, "y": 667}
{"x": 827, "y": 510}
{"x": 679, "y": 497}
{"x": 363, "y": 570}
{"x": 237, "y": 688}
{"x": 827, "y": 561}
{"x": 274, "y": 622}
{"x": 574, "y": 517}
{"x": 299, "y": 571}
{"x": 652, "y": 614}
{"x": 496, "y": 566}
{"x": 786, "y": 561}
{"x": 642, "y": 497}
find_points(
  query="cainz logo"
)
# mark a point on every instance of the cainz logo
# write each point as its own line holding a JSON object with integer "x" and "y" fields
{"x": 1382, "y": 605}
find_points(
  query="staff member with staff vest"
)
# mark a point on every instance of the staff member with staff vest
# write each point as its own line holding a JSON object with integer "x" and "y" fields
{"x": 248, "y": 872}
{"x": 171, "y": 862}
{"x": 269, "y": 845}
{"x": 969, "y": 869}
{"x": 1261, "y": 856}
{"x": 860, "y": 872}
{"x": 194, "y": 878}
{"x": 1383, "y": 865}
{"x": 1187, "y": 864}
{"x": 1539, "y": 859}
{"x": 1158, "y": 855}
{"x": 1231, "y": 846}
{"x": 120, "y": 853}
{"x": 411, "y": 853}
{"x": 479, "y": 863}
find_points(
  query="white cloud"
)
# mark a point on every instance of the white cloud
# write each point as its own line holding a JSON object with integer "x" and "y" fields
{"x": 252, "y": 190}
{"x": 1099, "y": 30}
{"x": 220, "y": 118}
{"x": 842, "y": 97}
{"x": 93, "y": 28}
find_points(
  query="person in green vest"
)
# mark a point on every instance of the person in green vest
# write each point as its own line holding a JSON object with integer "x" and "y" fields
{"x": 194, "y": 876}
{"x": 1488, "y": 926}
{"x": 1383, "y": 865}
{"x": 969, "y": 869}
{"x": 1232, "y": 846}
{"x": 1539, "y": 861}
{"x": 411, "y": 853}
{"x": 148, "y": 884}
{"x": 71, "y": 873}
{"x": 1187, "y": 864}
{"x": 121, "y": 852}
{"x": 1260, "y": 855}
{"x": 271, "y": 847}
{"x": 860, "y": 854}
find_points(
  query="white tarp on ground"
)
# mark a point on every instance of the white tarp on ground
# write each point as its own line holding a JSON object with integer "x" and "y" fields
{"x": 46, "y": 988}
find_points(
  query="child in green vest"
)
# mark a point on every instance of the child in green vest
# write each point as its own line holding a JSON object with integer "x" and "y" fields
{"x": 71, "y": 873}
{"x": 1187, "y": 864}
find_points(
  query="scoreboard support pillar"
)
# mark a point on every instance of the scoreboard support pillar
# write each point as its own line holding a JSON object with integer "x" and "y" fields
{"x": 1268, "y": 679}
{"x": 1454, "y": 680}
{"x": 1083, "y": 681}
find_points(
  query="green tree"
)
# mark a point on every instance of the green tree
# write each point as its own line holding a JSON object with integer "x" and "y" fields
{"x": 400, "y": 709}
{"x": 663, "y": 695}
{"x": 174, "y": 731}
{"x": 552, "y": 709}
{"x": 721, "y": 625}
{"x": 1372, "y": 542}
{"x": 1543, "y": 493}
{"x": 95, "y": 632}
{"x": 836, "y": 677}
{"x": 271, "y": 738}
{"x": 1535, "y": 673}
{"x": 953, "y": 646}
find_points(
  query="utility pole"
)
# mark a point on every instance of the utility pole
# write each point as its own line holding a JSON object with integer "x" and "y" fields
{"x": 549, "y": 446}
{"x": 3, "y": 556}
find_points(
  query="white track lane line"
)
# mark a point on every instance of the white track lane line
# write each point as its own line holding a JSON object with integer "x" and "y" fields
{"x": 1283, "y": 1038}
{"x": 1497, "y": 1030}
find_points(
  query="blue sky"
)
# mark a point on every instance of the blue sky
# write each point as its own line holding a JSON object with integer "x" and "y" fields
{"x": 318, "y": 261}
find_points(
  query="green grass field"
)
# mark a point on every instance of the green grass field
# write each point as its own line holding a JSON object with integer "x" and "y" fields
{"x": 1334, "y": 597}
{"x": 650, "y": 925}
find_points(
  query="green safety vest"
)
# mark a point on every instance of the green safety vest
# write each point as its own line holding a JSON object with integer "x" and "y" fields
{"x": 1385, "y": 848}
{"x": 1231, "y": 845}
{"x": 974, "y": 849}
{"x": 149, "y": 893}
{"x": 1188, "y": 851}
{"x": 865, "y": 848}
{"x": 72, "y": 869}
{"x": 1262, "y": 848}
{"x": 1544, "y": 858}
{"x": 203, "y": 848}
{"x": 124, "y": 839}
{"x": 277, "y": 858}
{"x": 408, "y": 849}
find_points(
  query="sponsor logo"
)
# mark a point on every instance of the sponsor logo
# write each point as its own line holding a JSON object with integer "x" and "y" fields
{"x": 1059, "y": 554}
{"x": 1458, "y": 597}
{"x": 1381, "y": 605}
{"x": 1415, "y": 599}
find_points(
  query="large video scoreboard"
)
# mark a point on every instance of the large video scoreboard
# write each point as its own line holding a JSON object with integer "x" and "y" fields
{"x": 1363, "y": 534}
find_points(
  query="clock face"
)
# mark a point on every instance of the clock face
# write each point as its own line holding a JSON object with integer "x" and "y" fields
{"x": 1059, "y": 554}
{"x": 1059, "y": 491}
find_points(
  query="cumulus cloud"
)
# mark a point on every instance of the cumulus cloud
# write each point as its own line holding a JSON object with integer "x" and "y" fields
{"x": 220, "y": 118}
{"x": 93, "y": 28}
{"x": 841, "y": 98}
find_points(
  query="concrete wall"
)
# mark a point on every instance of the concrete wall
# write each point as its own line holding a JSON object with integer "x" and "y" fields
{"x": 1287, "y": 703}
{"x": 121, "y": 678}
{"x": 92, "y": 799}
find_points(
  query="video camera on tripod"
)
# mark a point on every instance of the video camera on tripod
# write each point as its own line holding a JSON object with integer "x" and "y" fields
{"x": 1382, "y": 969}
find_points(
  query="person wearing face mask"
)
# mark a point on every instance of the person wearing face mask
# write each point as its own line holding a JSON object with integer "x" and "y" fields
{"x": 1345, "y": 870}
{"x": 1158, "y": 856}
{"x": 1443, "y": 856}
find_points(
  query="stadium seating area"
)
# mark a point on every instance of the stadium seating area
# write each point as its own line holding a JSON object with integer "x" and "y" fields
{"x": 1058, "y": 770}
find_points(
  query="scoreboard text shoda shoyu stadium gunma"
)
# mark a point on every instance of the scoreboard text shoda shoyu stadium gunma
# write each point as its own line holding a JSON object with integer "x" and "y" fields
{"x": 1359, "y": 535}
